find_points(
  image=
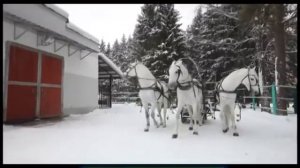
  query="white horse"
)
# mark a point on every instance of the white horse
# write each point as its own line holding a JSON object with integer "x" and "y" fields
{"x": 189, "y": 93}
{"x": 151, "y": 91}
{"x": 227, "y": 94}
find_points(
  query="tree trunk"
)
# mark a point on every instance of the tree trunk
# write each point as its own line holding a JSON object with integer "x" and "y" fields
{"x": 261, "y": 47}
{"x": 278, "y": 28}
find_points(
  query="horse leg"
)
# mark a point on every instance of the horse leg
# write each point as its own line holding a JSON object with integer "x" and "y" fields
{"x": 190, "y": 110}
{"x": 159, "y": 113}
{"x": 147, "y": 117}
{"x": 153, "y": 107}
{"x": 165, "y": 112}
{"x": 196, "y": 118}
{"x": 200, "y": 111}
{"x": 175, "y": 135}
{"x": 232, "y": 117}
{"x": 224, "y": 117}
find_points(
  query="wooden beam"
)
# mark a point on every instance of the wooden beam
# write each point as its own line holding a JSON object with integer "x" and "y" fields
{"x": 70, "y": 54}
{"x": 58, "y": 48}
{"x": 82, "y": 57}
{"x": 16, "y": 35}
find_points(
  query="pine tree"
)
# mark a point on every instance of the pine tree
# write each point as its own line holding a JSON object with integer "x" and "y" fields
{"x": 102, "y": 47}
{"x": 273, "y": 15}
{"x": 108, "y": 51}
{"x": 217, "y": 43}
{"x": 115, "y": 52}
{"x": 158, "y": 38}
{"x": 122, "y": 56}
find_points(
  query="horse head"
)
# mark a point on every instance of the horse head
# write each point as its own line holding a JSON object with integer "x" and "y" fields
{"x": 132, "y": 70}
{"x": 252, "y": 81}
{"x": 178, "y": 73}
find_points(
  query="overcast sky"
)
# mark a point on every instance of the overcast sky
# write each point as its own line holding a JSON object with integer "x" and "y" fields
{"x": 110, "y": 21}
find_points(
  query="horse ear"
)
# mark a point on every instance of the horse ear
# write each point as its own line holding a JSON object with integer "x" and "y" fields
{"x": 252, "y": 65}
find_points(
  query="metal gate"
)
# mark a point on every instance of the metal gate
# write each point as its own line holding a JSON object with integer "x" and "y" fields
{"x": 105, "y": 93}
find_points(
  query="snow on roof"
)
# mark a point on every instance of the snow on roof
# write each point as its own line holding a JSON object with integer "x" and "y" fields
{"x": 82, "y": 32}
{"x": 70, "y": 25}
{"x": 58, "y": 10}
{"x": 111, "y": 64}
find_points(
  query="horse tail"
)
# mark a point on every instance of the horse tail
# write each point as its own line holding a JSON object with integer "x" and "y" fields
{"x": 216, "y": 97}
{"x": 216, "y": 93}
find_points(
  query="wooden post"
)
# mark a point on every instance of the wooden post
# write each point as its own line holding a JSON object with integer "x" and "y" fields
{"x": 253, "y": 103}
{"x": 110, "y": 84}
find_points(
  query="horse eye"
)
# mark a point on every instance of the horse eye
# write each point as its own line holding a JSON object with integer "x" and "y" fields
{"x": 252, "y": 79}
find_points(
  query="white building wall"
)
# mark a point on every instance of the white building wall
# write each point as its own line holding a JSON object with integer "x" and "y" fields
{"x": 41, "y": 15}
{"x": 80, "y": 78}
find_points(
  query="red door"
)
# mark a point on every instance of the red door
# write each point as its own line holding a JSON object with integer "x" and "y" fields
{"x": 28, "y": 94}
{"x": 22, "y": 84}
{"x": 51, "y": 80}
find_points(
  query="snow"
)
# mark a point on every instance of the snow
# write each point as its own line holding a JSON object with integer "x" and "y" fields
{"x": 116, "y": 136}
{"x": 85, "y": 34}
{"x": 111, "y": 64}
{"x": 57, "y": 9}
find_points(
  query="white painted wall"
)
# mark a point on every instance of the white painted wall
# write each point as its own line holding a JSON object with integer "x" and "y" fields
{"x": 42, "y": 15}
{"x": 80, "y": 78}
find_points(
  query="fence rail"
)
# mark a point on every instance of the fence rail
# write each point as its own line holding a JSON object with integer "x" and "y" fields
{"x": 273, "y": 97}
{"x": 122, "y": 97}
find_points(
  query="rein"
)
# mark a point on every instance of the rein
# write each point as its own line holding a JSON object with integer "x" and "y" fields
{"x": 153, "y": 87}
{"x": 191, "y": 83}
{"x": 221, "y": 89}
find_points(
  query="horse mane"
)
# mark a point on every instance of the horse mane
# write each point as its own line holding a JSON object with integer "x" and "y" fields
{"x": 147, "y": 72}
{"x": 191, "y": 67}
{"x": 235, "y": 72}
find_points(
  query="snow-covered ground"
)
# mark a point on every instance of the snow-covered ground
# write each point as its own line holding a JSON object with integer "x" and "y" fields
{"x": 116, "y": 136}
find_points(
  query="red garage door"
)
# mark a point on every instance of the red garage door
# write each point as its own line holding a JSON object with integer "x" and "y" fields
{"x": 22, "y": 85}
{"x": 51, "y": 86}
{"x": 34, "y": 85}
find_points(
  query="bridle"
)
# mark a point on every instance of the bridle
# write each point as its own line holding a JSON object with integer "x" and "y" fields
{"x": 141, "y": 88}
{"x": 180, "y": 84}
{"x": 153, "y": 87}
{"x": 190, "y": 83}
{"x": 221, "y": 89}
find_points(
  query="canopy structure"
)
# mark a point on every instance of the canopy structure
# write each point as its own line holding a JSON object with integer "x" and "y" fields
{"x": 107, "y": 69}
{"x": 107, "y": 72}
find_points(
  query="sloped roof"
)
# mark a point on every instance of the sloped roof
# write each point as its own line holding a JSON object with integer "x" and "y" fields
{"x": 108, "y": 68}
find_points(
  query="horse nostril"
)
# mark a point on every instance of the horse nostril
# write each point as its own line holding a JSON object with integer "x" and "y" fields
{"x": 171, "y": 86}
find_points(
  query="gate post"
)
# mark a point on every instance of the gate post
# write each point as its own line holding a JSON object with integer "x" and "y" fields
{"x": 274, "y": 102}
{"x": 253, "y": 103}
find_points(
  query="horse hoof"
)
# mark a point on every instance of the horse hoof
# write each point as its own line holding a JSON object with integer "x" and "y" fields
{"x": 146, "y": 129}
{"x": 225, "y": 130}
{"x": 174, "y": 136}
{"x": 195, "y": 133}
{"x": 235, "y": 134}
{"x": 190, "y": 128}
{"x": 164, "y": 126}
